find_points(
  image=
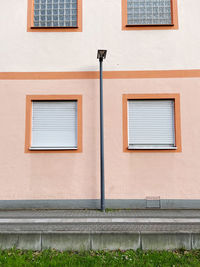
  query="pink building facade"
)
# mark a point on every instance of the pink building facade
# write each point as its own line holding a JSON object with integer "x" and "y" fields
{"x": 151, "y": 107}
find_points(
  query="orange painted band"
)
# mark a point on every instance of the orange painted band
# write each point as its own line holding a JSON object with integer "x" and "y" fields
{"x": 29, "y": 99}
{"x": 95, "y": 75}
{"x": 177, "y": 120}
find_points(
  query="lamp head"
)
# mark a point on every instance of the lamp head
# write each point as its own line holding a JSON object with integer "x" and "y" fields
{"x": 101, "y": 54}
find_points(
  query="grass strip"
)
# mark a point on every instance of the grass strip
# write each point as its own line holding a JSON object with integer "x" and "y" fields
{"x": 139, "y": 258}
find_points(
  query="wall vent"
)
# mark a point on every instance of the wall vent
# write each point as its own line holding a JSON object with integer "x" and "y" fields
{"x": 153, "y": 202}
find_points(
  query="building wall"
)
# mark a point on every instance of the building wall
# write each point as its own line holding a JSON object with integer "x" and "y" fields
{"x": 72, "y": 58}
{"x": 102, "y": 28}
{"x": 77, "y": 175}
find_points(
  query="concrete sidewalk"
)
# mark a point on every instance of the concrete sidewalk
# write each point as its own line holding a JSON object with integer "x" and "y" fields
{"x": 90, "y": 229}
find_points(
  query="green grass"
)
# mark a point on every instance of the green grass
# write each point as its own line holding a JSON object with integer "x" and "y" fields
{"x": 180, "y": 258}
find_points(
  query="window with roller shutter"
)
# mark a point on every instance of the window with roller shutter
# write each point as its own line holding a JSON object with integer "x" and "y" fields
{"x": 54, "y": 123}
{"x": 151, "y": 122}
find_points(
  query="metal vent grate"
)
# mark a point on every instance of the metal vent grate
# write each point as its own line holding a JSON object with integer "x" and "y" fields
{"x": 153, "y": 202}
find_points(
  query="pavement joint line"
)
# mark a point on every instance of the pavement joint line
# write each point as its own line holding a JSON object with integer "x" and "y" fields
{"x": 99, "y": 220}
{"x": 104, "y": 217}
{"x": 100, "y": 232}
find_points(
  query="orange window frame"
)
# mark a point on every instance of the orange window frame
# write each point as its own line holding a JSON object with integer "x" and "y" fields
{"x": 177, "y": 121}
{"x": 30, "y": 23}
{"x": 174, "y": 26}
{"x": 28, "y": 126}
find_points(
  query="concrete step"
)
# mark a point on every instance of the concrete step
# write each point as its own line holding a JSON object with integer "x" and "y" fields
{"x": 78, "y": 230}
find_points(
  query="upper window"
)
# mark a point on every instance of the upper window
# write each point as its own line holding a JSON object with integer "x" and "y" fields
{"x": 152, "y": 122}
{"x": 150, "y": 12}
{"x": 54, "y": 15}
{"x": 54, "y": 122}
{"x": 140, "y": 14}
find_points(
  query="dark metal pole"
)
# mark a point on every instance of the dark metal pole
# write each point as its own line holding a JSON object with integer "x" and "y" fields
{"x": 102, "y": 137}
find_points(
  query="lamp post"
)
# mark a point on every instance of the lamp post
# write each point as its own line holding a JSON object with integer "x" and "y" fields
{"x": 101, "y": 55}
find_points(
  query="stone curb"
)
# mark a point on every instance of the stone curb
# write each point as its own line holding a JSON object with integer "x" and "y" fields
{"x": 100, "y": 241}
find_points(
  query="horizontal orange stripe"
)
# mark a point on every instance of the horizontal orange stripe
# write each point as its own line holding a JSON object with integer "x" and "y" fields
{"x": 95, "y": 75}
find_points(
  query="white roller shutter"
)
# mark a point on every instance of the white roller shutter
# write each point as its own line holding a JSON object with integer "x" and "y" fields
{"x": 151, "y": 124}
{"x": 54, "y": 124}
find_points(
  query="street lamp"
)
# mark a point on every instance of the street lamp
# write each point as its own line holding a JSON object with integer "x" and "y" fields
{"x": 101, "y": 55}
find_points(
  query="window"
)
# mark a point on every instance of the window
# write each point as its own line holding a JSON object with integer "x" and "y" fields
{"x": 54, "y": 15}
{"x": 149, "y": 14}
{"x": 53, "y": 123}
{"x": 151, "y": 122}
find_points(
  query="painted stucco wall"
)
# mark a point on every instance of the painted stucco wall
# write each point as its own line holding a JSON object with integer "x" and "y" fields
{"x": 127, "y": 50}
{"x": 76, "y": 176}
